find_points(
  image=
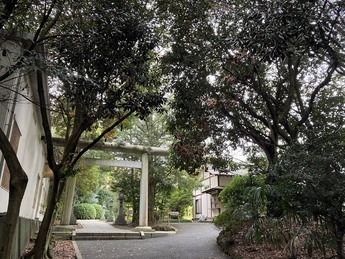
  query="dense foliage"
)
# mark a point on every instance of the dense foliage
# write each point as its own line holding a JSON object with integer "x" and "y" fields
{"x": 244, "y": 199}
{"x": 309, "y": 195}
{"x": 85, "y": 211}
{"x": 310, "y": 182}
{"x": 99, "y": 209}
{"x": 250, "y": 74}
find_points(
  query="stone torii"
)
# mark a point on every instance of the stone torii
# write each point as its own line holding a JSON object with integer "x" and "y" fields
{"x": 144, "y": 165}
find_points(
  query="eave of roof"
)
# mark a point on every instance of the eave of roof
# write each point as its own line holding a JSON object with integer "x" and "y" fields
{"x": 213, "y": 190}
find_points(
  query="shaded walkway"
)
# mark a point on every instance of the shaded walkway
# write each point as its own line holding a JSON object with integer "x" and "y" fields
{"x": 192, "y": 240}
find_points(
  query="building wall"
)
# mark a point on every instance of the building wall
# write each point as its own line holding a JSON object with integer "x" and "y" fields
{"x": 224, "y": 180}
{"x": 30, "y": 152}
{"x": 206, "y": 199}
{"x": 20, "y": 121}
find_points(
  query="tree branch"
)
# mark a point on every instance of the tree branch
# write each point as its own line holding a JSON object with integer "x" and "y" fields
{"x": 45, "y": 121}
{"x": 317, "y": 89}
{"x": 118, "y": 122}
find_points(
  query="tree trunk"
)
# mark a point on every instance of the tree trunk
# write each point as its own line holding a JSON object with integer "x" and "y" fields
{"x": 151, "y": 201}
{"x": 151, "y": 193}
{"x": 135, "y": 217}
{"x": 340, "y": 243}
{"x": 18, "y": 182}
{"x": 39, "y": 251}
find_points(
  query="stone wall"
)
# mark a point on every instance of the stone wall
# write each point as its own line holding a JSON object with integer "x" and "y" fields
{"x": 26, "y": 228}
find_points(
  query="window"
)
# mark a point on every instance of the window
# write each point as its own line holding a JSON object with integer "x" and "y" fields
{"x": 5, "y": 182}
{"x": 198, "y": 206}
{"x": 214, "y": 202}
{"x": 7, "y": 104}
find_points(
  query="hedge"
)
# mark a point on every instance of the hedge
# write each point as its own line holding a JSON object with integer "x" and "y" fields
{"x": 84, "y": 211}
{"x": 98, "y": 209}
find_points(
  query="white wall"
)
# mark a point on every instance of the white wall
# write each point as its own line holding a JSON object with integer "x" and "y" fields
{"x": 31, "y": 151}
{"x": 31, "y": 154}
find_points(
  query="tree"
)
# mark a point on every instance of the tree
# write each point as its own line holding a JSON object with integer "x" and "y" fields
{"x": 136, "y": 93}
{"x": 104, "y": 74}
{"x": 128, "y": 182}
{"x": 181, "y": 195}
{"x": 88, "y": 179}
{"x": 254, "y": 74}
{"x": 251, "y": 72}
{"x": 149, "y": 132}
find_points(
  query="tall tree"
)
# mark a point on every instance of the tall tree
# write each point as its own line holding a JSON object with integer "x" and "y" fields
{"x": 151, "y": 132}
{"x": 115, "y": 77}
{"x": 104, "y": 71}
{"x": 251, "y": 72}
{"x": 127, "y": 181}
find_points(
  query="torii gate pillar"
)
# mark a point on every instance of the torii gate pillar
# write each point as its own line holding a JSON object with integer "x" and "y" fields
{"x": 144, "y": 191}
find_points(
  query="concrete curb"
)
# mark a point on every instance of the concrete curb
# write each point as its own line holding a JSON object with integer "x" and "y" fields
{"x": 120, "y": 236}
{"x": 76, "y": 249}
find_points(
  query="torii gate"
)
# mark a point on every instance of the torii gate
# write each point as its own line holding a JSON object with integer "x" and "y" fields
{"x": 144, "y": 165}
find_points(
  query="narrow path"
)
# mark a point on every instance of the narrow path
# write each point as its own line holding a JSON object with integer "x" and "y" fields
{"x": 193, "y": 240}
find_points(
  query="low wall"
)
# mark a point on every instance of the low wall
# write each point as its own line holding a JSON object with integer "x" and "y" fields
{"x": 26, "y": 228}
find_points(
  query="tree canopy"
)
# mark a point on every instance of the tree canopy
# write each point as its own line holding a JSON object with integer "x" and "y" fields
{"x": 253, "y": 72}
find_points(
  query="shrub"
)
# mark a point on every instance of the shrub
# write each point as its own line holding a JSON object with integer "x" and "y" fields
{"x": 244, "y": 198}
{"x": 98, "y": 209}
{"x": 85, "y": 211}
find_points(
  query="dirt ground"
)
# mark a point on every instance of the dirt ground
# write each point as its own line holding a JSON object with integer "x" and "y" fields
{"x": 238, "y": 248}
{"x": 63, "y": 249}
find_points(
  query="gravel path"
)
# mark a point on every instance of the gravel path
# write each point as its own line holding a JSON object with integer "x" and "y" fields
{"x": 192, "y": 240}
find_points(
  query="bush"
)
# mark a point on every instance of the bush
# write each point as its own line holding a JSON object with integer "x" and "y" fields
{"x": 85, "y": 211}
{"x": 98, "y": 209}
{"x": 244, "y": 198}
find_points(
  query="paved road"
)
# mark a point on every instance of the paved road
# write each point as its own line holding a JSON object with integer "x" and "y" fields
{"x": 192, "y": 240}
